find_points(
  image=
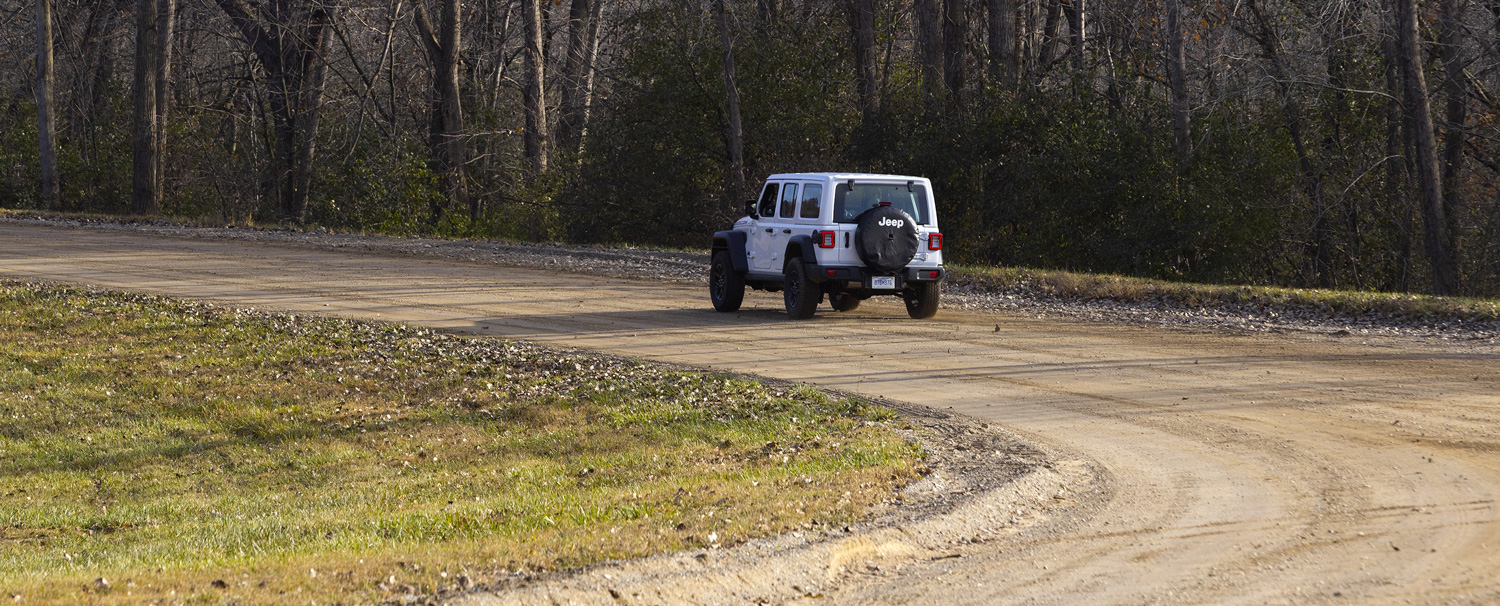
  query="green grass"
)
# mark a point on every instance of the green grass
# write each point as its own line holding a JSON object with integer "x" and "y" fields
{"x": 1080, "y": 286}
{"x": 193, "y": 453}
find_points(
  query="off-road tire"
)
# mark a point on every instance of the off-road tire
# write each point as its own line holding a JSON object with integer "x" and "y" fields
{"x": 922, "y": 300}
{"x": 726, "y": 287}
{"x": 801, "y": 294}
{"x": 843, "y": 301}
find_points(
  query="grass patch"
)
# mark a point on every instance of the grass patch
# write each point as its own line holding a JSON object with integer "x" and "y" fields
{"x": 1081, "y": 286}
{"x": 200, "y": 454}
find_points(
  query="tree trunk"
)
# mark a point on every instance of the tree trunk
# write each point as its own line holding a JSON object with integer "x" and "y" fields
{"x": 578, "y": 73}
{"x": 445, "y": 132}
{"x": 46, "y": 118}
{"x": 1429, "y": 183}
{"x": 1456, "y": 90}
{"x": 1002, "y": 41}
{"x": 930, "y": 48}
{"x": 1052, "y": 34}
{"x": 955, "y": 25}
{"x": 1318, "y": 250}
{"x": 535, "y": 98}
{"x": 736, "y": 185}
{"x": 1395, "y": 168}
{"x": 1177, "y": 81}
{"x": 310, "y": 108}
{"x": 862, "y": 27}
{"x": 1077, "y": 14}
{"x": 145, "y": 197}
{"x": 288, "y": 39}
{"x": 166, "y": 21}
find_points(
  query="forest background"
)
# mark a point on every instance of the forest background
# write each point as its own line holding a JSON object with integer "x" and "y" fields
{"x": 1323, "y": 143}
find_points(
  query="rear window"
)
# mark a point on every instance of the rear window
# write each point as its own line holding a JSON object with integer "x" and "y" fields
{"x": 849, "y": 203}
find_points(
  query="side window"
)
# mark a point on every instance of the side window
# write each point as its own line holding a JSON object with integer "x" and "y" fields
{"x": 788, "y": 201}
{"x": 768, "y": 201}
{"x": 812, "y": 195}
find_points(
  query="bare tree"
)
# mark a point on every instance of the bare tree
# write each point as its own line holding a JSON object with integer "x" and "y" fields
{"x": 862, "y": 28}
{"x": 1177, "y": 82}
{"x": 46, "y": 119}
{"x": 1077, "y": 15}
{"x": 1424, "y": 140}
{"x": 446, "y": 123}
{"x": 955, "y": 26}
{"x": 145, "y": 194}
{"x": 578, "y": 73}
{"x": 1455, "y": 88}
{"x": 736, "y": 183}
{"x": 289, "y": 39}
{"x": 535, "y": 97}
{"x": 930, "y": 48}
{"x": 1001, "y": 41}
{"x": 166, "y": 21}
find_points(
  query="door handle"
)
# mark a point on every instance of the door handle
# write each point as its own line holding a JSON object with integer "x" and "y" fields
{"x": 769, "y": 230}
{"x": 786, "y": 231}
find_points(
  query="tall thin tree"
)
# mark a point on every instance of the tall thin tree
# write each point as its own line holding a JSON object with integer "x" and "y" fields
{"x": 446, "y": 121}
{"x": 145, "y": 196}
{"x": 535, "y": 99}
{"x": 46, "y": 117}
{"x": 736, "y": 185}
{"x": 1424, "y": 141}
{"x": 862, "y": 30}
{"x": 1177, "y": 82}
{"x": 166, "y": 25}
{"x": 1455, "y": 128}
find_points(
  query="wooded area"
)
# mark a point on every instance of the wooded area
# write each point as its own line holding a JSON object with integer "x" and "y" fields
{"x": 1327, "y": 143}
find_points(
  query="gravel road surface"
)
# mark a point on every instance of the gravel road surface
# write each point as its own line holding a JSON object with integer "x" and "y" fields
{"x": 1185, "y": 465}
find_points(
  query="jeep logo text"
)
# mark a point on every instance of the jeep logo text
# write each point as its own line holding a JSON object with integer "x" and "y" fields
{"x": 897, "y": 223}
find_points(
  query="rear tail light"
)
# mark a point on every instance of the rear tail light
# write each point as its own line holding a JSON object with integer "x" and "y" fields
{"x": 932, "y": 275}
{"x": 934, "y": 241}
{"x": 831, "y": 272}
{"x": 827, "y": 239}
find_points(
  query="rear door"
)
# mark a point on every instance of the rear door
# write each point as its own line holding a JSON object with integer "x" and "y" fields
{"x": 767, "y": 232}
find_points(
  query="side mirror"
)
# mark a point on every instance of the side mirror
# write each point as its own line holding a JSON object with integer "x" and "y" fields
{"x": 750, "y": 209}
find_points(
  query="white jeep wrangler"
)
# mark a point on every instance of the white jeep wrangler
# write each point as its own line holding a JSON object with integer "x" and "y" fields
{"x": 850, "y": 236}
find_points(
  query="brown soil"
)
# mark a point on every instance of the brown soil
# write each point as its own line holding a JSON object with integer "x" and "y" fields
{"x": 1185, "y": 467}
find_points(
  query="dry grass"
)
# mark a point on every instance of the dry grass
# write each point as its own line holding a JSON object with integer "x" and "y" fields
{"x": 1078, "y": 286}
{"x": 193, "y": 454}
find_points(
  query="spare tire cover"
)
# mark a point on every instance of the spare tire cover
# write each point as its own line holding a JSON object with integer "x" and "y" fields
{"x": 886, "y": 238}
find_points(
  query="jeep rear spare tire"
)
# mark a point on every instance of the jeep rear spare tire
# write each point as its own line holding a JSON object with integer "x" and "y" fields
{"x": 886, "y": 238}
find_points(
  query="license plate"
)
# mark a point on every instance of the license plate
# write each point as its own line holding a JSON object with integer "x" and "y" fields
{"x": 883, "y": 282}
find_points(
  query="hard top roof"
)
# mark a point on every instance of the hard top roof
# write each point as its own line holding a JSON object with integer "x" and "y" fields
{"x": 844, "y": 177}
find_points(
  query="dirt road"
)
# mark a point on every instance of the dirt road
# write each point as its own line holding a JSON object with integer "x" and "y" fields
{"x": 1235, "y": 469}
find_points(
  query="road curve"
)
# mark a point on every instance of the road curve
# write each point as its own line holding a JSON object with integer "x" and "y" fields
{"x": 1237, "y": 469}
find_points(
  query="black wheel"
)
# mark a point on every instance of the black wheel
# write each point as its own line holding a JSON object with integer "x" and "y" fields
{"x": 802, "y": 295}
{"x": 726, "y": 287}
{"x": 843, "y": 301}
{"x": 922, "y": 300}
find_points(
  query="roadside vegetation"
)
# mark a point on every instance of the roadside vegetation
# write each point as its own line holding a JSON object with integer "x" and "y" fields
{"x": 161, "y": 450}
{"x": 1078, "y": 286}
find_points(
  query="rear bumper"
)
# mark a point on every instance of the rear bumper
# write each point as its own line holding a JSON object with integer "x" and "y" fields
{"x": 859, "y": 276}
